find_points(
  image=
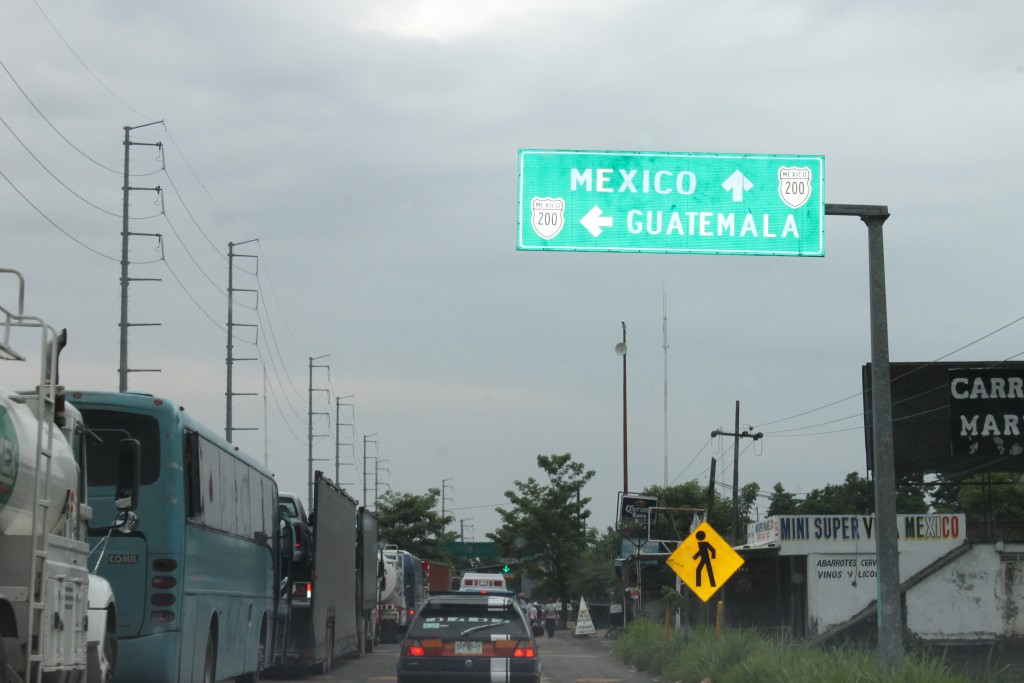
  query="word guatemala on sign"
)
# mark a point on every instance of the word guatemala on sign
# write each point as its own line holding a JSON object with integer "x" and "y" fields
{"x": 701, "y": 224}
{"x": 664, "y": 202}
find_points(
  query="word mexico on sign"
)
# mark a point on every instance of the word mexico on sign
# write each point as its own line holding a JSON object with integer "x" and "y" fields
{"x": 673, "y": 203}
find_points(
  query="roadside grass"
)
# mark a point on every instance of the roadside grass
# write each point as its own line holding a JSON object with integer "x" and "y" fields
{"x": 747, "y": 657}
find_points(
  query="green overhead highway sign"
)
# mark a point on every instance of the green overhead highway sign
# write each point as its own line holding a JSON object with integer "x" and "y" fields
{"x": 671, "y": 203}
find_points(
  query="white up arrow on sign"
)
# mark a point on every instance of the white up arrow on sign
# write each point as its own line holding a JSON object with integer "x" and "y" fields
{"x": 737, "y": 183}
{"x": 593, "y": 221}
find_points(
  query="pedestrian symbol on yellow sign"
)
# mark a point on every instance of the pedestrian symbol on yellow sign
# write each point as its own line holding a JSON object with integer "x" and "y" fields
{"x": 703, "y": 550}
{"x": 704, "y": 561}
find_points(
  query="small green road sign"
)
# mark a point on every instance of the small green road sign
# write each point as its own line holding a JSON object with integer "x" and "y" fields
{"x": 671, "y": 203}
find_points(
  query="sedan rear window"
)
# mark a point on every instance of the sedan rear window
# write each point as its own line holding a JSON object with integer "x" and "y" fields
{"x": 473, "y": 621}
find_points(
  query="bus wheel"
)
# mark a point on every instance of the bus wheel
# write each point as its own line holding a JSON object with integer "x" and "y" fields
{"x": 254, "y": 676}
{"x": 370, "y": 634}
{"x": 210, "y": 663}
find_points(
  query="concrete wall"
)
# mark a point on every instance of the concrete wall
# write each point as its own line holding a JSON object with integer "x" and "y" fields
{"x": 838, "y": 586}
{"x": 979, "y": 596}
{"x": 841, "y": 585}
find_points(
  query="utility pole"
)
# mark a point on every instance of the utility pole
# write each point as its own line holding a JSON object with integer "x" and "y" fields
{"x": 338, "y": 443}
{"x": 737, "y": 435}
{"x": 620, "y": 349}
{"x": 266, "y": 447}
{"x": 711, "y": 492}
{"x": 444, "y": 488}
{"x": 310, "y": 415}
{"x": 123, "y": 370}
{"x": 664, "y": 346}
{"x": 366, "y": 491}
{"x": 377, "y": 462}
{"x": 229, "y": 394}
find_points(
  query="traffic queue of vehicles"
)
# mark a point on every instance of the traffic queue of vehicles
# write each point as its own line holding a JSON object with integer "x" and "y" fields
{"x": 201, "y": 569}
{"x": 228, "y": 579}
{"x": 196, "y": 575}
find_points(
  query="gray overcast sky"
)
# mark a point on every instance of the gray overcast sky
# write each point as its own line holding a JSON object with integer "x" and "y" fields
{"x": 372, "y": 148}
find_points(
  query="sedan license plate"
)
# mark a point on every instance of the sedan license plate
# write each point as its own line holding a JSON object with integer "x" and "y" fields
{"x": 469, "y": 647}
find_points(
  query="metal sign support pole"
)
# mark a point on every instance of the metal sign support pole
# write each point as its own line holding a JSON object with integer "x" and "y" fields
{"x": 890, "y": 610}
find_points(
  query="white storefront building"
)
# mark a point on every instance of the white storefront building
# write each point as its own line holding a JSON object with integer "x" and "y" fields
{"x": 955, "y": 588}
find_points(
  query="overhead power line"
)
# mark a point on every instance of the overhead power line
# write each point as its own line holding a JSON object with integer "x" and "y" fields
{"x": 50, "y": 123}
{"x": 53, "y": 175}
{"x": 861, "y": 393}
{"x": 53, "y": 223}
{"x": 86, "y": 66}
{"x": 268, "y": 352}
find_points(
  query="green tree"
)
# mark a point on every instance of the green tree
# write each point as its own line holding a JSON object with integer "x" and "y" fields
{"x": 748, "y": 502}
{"x": 1000, "y": 493}
{"x": 856, "y": 496}
{"x": 783, "y": 503}
{"x": 595, "y": 572}
{"x": 545, "y": 525}
{"x": 912, "y": 494}
{"x": 680, "y": 502}
{"x": 412, "y": 523}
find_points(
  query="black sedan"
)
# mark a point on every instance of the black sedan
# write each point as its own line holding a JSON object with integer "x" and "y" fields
{"x": 469, "y": 637}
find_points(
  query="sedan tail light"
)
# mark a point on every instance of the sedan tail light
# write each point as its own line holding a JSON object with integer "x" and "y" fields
{"x": 525, "y": 648}
{"x": 413, "y": 649}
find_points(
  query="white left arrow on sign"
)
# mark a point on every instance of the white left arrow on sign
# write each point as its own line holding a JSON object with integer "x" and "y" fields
{"x": 594, "y": 221}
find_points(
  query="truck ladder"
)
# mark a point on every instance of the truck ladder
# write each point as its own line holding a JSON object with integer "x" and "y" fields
{"x": 10, "y": 319}
{"x": 44, "y": 405}
{"x": 45, "y": 402}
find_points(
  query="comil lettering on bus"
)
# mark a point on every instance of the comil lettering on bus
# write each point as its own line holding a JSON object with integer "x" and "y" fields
{"x": 683, "y": 223}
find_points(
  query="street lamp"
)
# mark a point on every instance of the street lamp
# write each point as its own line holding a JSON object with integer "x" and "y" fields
{"x": 620, "y": 349}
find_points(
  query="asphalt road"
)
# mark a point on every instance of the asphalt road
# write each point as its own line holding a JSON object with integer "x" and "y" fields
{"x": 564, "y": 659}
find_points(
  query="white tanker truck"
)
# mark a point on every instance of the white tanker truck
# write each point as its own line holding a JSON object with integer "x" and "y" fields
{"x": 403, "y": 588}
{"x": 57, "y": 620}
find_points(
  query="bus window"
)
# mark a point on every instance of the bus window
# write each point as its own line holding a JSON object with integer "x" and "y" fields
{"x": 195, "y": 497}
{"x": 112, "y": 428}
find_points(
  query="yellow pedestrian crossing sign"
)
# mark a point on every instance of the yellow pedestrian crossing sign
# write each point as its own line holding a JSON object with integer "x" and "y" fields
{"x": 704, "y": 561}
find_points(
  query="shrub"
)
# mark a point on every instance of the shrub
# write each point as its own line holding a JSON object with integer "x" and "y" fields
{"x": 746, "y": 657}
